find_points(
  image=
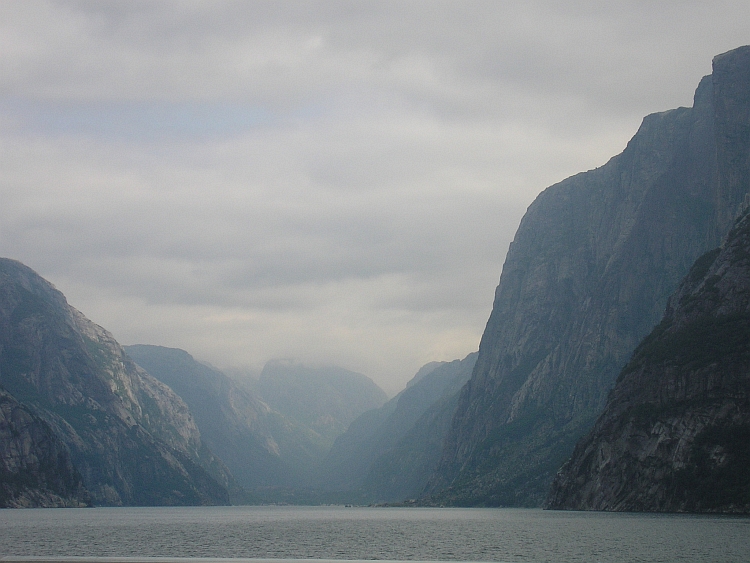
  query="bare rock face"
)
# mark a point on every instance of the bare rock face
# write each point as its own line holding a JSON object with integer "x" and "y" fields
{"x": 35, "y": 465}
{"x": 132, "y": 439}
{"x": 587, "y": 276}
{"x": 675, "y": 434}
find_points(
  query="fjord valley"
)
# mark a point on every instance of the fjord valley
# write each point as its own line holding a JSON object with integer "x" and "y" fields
{"x": 273, "y": 433}
{"x": 83, "y": 424}
{"x": 569, "y": 356}
{"x": 387, "y": 454}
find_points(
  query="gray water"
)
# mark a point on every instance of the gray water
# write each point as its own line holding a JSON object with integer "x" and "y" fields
{"x": 511, "y": 535}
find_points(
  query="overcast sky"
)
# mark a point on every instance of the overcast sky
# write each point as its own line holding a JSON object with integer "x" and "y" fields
{"x": 331, "y": 182}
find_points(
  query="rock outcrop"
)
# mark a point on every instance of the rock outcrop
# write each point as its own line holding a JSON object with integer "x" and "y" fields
{"x": 35, "y": 465}
{"x": 587, "y": 276}
{"x": 675, "y": 434}
{"x": 133, "y": 441}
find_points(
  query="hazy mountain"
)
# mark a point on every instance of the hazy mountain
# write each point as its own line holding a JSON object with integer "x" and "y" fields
{"x": 587, "y": 276}
{"x": 324, "y": 399}
{"x": 128, "y": 436}
{"x": 262, "y": 448}
{"x": 387, "y": 454}
{"x": 403, "y": 470}
{"x": 675, "y": 434}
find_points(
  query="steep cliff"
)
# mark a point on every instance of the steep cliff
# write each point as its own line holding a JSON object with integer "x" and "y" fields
{"x": 675, "y": 434}
{"x": 35, "y": 465}
{"x": 261, "y": 447}
{"x": 587, "y": 276}
{"x": 131, "y": 438}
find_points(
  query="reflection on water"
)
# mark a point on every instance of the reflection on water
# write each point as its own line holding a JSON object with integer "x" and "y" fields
{"x": 511, "y": 535}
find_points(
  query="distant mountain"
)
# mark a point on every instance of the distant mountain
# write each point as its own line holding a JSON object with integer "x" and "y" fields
{"x": 131, "y": 440}
{"x": 262, "y": 448}
{"x": 387, "y": 454}
{"x": 324, "y": 399}
{"x": 587, "y": 276}
{"x": 675, "y": 434}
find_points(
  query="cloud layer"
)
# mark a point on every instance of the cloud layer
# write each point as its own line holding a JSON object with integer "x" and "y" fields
{"x": 335, "y": 182}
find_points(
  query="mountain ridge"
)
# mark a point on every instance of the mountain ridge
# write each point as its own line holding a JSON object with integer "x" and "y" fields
{"x": 587, "y": 276}
{"x": 263, "y": 448}
{"x": 132, "y": 440}
{"x": 326, "y": 399}
{"x": 387, "y": 454}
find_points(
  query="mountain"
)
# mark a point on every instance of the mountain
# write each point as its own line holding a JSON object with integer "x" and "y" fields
{"x": 131, "y": 440}
{"x": 675, "y": 433}
{"x": 324, "y": 399}
{"x": 35, "y": 465}
{"x": 387, "y": 454}
{"x": 586, "y": 277}
{"x": 402, "y": 471}
{"x": 262, "y": 448}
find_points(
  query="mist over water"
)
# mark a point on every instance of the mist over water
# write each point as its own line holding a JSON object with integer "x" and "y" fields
{"x": 512, "y": 535}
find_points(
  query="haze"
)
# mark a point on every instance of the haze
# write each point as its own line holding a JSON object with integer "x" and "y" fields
{"x": 334, "y": 182}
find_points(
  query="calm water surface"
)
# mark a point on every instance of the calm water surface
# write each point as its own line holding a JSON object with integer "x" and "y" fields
{"x": 511, "y": 535}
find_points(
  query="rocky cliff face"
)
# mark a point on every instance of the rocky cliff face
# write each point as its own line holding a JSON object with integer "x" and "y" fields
{"x": 131, "y": 438}
{"x": 586, "y": 278}
{"x": 35, "y": 465}
{"x": 675, "y": 434}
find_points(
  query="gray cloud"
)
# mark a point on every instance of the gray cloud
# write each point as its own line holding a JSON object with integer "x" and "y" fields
{"x": 331, "y": 181}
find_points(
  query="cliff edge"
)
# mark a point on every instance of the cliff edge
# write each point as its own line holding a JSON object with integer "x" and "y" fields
{"x": 586, "y": 278}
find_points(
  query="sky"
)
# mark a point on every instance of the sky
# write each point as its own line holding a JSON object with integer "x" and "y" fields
{"x": 332, "y": 182}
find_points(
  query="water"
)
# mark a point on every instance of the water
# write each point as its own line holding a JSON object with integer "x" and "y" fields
{"x": 511, "y": 535}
